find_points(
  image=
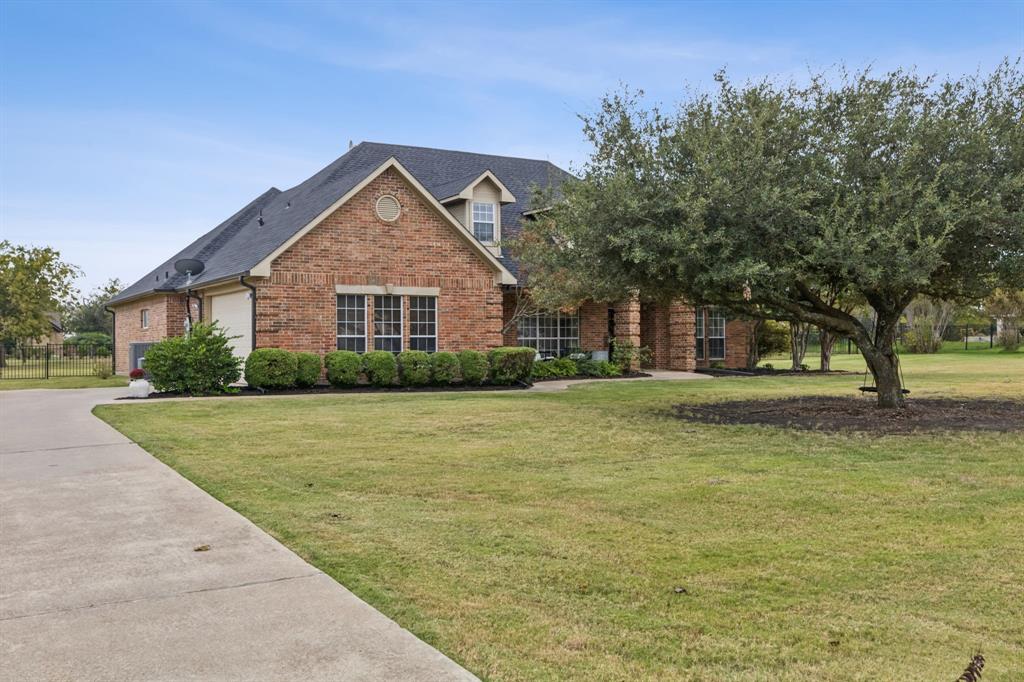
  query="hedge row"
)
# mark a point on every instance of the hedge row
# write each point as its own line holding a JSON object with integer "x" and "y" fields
{"x": 275, "y": 368}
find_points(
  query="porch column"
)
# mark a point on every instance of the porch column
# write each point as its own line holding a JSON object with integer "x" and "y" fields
{"x": 627, "y": 325}
{"x": 682, "y": 337}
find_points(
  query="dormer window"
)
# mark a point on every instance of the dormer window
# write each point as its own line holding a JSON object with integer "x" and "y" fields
{"x": 483, "y": 222}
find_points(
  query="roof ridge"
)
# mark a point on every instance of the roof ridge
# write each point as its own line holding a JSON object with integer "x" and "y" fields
{"x": 454, "y": 151}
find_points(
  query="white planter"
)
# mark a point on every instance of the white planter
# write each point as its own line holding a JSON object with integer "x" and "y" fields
{"x": 138, "y": 388}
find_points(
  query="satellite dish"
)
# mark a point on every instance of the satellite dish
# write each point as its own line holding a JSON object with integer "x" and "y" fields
{"x": 189, "y": 266}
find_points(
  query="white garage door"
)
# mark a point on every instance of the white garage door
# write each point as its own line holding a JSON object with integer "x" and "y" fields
{"x": 233, "y": 312}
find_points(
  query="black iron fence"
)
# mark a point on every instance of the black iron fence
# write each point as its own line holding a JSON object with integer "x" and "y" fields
{"x": 44, "y": 361}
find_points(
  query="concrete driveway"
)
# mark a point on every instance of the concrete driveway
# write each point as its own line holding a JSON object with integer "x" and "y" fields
{"x": 100, "y": 580}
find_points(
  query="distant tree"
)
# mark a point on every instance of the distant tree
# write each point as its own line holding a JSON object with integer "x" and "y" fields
{"x": 88, "y": 315}
{"x": 760, "y": 198}
{"x": 34, "y": 281}
{"x": 1006, "y": 307}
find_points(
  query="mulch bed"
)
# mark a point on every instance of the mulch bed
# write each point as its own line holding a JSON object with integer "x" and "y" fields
{"x": 831, "y": 414}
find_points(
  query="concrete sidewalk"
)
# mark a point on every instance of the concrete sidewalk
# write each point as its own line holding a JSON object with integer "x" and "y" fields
{"x": 99, "y": 579}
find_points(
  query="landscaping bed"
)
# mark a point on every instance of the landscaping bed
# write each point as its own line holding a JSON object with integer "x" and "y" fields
{"x": 832, "y": 414}
{"x": 326, "y": 389}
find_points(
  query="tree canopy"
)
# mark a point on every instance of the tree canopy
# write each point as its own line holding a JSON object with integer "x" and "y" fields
{"x": 88, "y": 314}
{"x": 34, "y": 281}
{"x": 776, "y": 200}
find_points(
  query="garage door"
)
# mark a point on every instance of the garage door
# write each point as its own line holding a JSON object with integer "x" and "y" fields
{"x": 233, "y": 312}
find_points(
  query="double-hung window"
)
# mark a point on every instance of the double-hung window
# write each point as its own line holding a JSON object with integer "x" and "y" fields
{"x": 423, "y": 323}
{"x": 716, "y": 334}
{"x": 352, "y": 322}
{"x": 483, "y": 222}
{"x": 144, "y": 318}
{"x": 551, "y": 334}
{"x": 387, "y": 323}
{"x": 710, "y": 334}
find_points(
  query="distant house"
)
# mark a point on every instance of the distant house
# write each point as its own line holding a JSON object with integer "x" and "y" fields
{"x": 393, "y": 247}
{"x": 55, "y": 335}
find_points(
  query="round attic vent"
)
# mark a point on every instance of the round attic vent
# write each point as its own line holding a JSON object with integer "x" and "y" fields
{"x": 388, "y": 208}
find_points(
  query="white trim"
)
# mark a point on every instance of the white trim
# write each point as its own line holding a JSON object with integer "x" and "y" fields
{"x": 262, "y": 269}
{"x": 381, "y": 290}
{"x": 467, "y": 192}
{"x": 437, "y": 322}
{"x": 401, "y": 323}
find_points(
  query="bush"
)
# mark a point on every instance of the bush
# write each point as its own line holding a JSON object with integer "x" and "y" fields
{"x": 343, "y": 368}
{"x": 381, "y": 368}
{"x": 199, "y": 364}
{"x": 414, "y": 367}
{"x": 511, "y": 364}
{"x": 101, "y": 369}
{"x": 100, "y": 343}
{"x": 625, "y": 355}
{"x": 1008, "y": 339}
{"x": 307, "y": 370}
{"x": 773, "y": 339}
{"x": 271, "y": 368}
{"x": 557, "y": 368}
{"x": 444, "y": 368}
{"x": 473, "y": 366}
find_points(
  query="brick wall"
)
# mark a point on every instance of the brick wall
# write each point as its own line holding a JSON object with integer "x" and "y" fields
{"x": 296, "y": 306}
{"x": 166, "y": 318}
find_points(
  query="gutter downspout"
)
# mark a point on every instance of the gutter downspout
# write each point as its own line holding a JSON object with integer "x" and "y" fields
{"x": 113, "y": 338}
{"x": 252, "y": 288}
{"x": 188, "y": 306}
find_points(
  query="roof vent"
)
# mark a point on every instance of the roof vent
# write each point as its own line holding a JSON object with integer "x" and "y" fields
{"x": 388, "y": 208}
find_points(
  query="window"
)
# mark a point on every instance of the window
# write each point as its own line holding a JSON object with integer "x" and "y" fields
{"x": 144, "y": 318}
{"x": 552, "y": 334}
{"x": 483, "y": 221}
{"x": 352, "y": 322}
{"x": 387, "y": 323}
{"x": 423, "y": 323}
{"x": 716, "y": 334}
{"x": 699, "y": 333}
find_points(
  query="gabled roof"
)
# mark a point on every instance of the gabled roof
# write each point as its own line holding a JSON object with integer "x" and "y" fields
{"x": 240, "y": 243}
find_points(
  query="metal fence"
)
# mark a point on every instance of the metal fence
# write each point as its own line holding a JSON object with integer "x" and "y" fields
{"x": 44, "y": 361}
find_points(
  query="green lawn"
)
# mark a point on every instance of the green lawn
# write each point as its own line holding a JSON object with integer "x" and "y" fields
{"x": 62, "y": 382}
{"x": 541, "y": 536}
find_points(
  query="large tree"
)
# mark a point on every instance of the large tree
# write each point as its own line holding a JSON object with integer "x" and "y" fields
{"x": 777, "y": 200}
{"x": 34, "y": 281}
{"x": 89, "y": 314}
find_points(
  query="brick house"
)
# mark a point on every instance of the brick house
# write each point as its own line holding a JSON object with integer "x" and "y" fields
{"x": 391, "y": 248}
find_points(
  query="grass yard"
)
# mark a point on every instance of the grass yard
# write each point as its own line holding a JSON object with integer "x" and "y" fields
{"x": 541, "y": 536}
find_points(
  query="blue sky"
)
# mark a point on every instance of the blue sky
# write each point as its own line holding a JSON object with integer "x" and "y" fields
{"x": 128, "y": 129}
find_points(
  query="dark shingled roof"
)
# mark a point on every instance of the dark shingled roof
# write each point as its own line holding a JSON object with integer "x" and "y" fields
{"x": 240, "y": 242}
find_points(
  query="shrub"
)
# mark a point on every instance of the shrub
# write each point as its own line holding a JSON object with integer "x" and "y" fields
{"x": 511, "y": 364}
{"x": 101, "y": 369}
{"x": 414, "y": 367}
{"x": 557, "y": 368}
{"x": 773, "y": 339}
{"x": 99, "y": 342}
{"x": 137, "y": 374}
{"x": 343, "y": 368}
{"x": 199, "y": 364}
{"x": 625, "y": 355}
{"x": 271, "y": 368}
{"x": 307, "y": 370}
{"x": 608, "y": 369}
{"x": 1008, "y": 339}
{"x": 473, "y": 366}
{"x": 381, "y": 368}
{"x": 444, "y": 368}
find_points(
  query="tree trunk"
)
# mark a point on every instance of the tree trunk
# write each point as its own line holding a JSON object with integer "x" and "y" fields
{"x": 798, "y": 332}
{"x": 882, "y": 361}
{"x": 828, "y": 341}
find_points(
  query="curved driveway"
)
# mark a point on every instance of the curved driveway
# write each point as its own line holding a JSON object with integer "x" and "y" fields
{"x": 100, "y": 580}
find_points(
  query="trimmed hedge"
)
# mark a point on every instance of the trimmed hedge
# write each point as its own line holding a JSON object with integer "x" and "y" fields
{"x": 307, "y": 372}
{"x": 444, "y": 368}
{"x": 473, "y": 366}
{"x": 271, "y": 368}
{"x": 595, "y": 368}
{"x": 414, "y": 367}
{"x": 381, "y": 367}
{"x": 343, "y": 368}
{"x": 198, "y": 364}
{"x": 554, "y": 369}
{"x": 511, "y": 364}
